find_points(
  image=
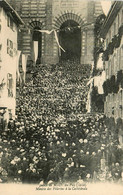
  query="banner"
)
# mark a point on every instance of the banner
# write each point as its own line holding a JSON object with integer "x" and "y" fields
{"x": 35, "y": 44}
{"x": 88, "y": 105}
{"x": 17, "y": 65}
{"x": 100, "y": 62}
{"x": 24, "y": 62}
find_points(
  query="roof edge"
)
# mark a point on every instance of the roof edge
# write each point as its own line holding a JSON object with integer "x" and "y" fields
{"x": 116, "y": 6}
{"x": 8, "y": 7}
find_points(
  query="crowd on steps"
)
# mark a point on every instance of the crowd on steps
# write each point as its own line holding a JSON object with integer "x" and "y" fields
{"x": 52, "y": 137}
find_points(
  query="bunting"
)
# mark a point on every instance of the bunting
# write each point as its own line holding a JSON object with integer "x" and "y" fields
{"x": 24, "y": 62}
{"x": 60, "y": 30}
{"x": 56, "y": 37}
{"x": 45, "y": 31}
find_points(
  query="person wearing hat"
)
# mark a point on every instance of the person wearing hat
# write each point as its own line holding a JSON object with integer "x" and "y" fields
{"x": 116, "y": 172}
{"x": 52, "y": 176}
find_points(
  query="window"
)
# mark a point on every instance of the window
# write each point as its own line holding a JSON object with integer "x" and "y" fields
{"x": 114, "y": 28}
{"x": 10, "y": 47}
{"x": 122, "y": 18}
{"x": 121, "y": 57}
{"x": 107, "y": 42}
{"x": 118, "y": 20}
{"x": 118, "y": 59}
{"x": 109, "y": 35}
{"x": 112, "y": 66}
{"x": 10, "y": 113}
{"x": 10, "y": 85}
{"x": 10, "y": 22}
{"x": 109, "y": 68}
{"x": 115, "y": 62}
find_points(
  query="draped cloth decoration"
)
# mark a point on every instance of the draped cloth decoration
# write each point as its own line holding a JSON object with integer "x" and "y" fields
{"x": 35, "y": 43}
{"x": 56, "y": 37}
{"x": 17, "y": 65}
{"x": 100, "y": 62}
{"x": 98, "y": 81}
{"x": 45, "y": 31}
{"x": 88, "y": 105}
{"x": 24, "y": 62}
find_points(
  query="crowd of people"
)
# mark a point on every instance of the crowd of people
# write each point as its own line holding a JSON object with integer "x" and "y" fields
{"x": 52, "y": 137}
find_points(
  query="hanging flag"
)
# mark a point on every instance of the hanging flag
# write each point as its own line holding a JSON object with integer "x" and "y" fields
{"x": 88, "y": 104}
{"x": 98, "y": 82}
{"x": 35, "y": 43}
{"x": 17, "y": 64}
{"x": 24, "y": 62}
{"x": 100, "y": 62}
{"x": 56, "y": 37}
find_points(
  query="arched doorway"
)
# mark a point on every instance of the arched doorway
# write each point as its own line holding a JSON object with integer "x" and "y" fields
{"x": 37, "y": 44}
{"x": 70, "y": 40}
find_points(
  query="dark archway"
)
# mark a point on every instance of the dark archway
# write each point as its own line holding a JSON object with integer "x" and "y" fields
{"x": 37, "y": 36}
{"x": 70, "y": 40}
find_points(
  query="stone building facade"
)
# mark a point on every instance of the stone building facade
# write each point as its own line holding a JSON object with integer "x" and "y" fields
{"x": 58, "y": 15}
{"x": 112, "y": 31}
{"x": 9, "y": 22}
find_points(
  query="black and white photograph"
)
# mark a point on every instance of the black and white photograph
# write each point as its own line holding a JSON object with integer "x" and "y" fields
{"x": 61, "y": 97}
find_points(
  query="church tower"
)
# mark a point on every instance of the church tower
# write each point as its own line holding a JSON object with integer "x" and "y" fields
{"x": 73, "y": 22}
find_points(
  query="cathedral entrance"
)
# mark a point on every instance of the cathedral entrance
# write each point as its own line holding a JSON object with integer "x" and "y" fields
{"x": 37, "y": 44}
{"x": 70, "y": 40}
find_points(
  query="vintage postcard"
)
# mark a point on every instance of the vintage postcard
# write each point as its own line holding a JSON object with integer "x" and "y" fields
{"x": 61, "y": 97}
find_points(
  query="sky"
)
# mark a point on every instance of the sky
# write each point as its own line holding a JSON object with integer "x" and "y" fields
{"x": 106, "y": 6}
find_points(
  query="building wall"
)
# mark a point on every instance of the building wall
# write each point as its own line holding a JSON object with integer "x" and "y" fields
{"x": 77, "y": 6}
{"x": 112, "y": 66}
{"x": 8, "y": 40}
{"x": 113, "y": 107}
{"x": 47, "y": 13}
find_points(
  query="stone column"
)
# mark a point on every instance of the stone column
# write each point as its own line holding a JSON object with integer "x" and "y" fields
{"x": 90, "y": 45}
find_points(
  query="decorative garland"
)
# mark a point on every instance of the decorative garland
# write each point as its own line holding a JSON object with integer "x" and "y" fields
{"x": 115, "y": 43}
{"x": 112, "y": 85}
